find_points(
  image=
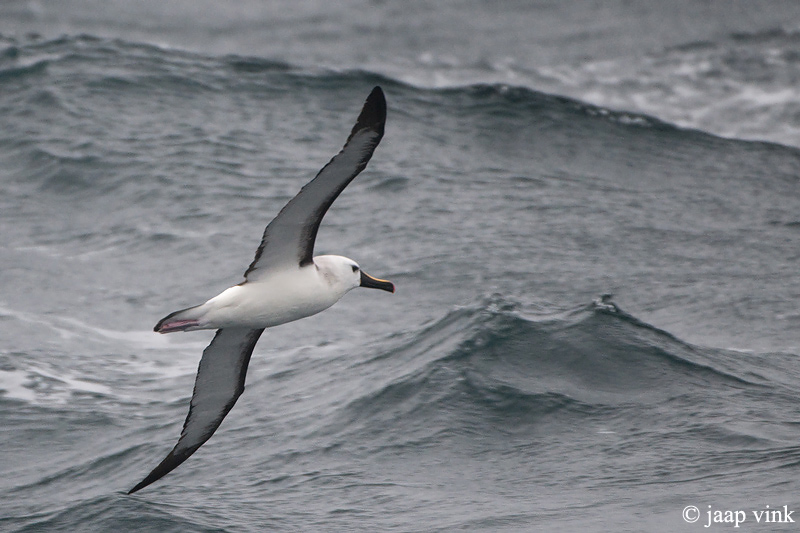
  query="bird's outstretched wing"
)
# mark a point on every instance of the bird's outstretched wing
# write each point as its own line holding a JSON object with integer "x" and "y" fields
{"x": 219, "y": 383}
{"x": 289, "y": 239}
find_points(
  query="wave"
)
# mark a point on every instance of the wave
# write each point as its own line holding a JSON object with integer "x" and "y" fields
{"x": 109, "y": 513}
{"x": 92, "y": 151}
{"x": 152, "y": 153}
{"x": 630, "y": 94}
{"x": 140, "y": 66}
{"x": 495, "y": 365}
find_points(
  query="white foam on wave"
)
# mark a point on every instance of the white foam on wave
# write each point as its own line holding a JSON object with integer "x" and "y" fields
{"x": 40, "y": 386}
{"x": 732, "y": 89}
{"x": 725, "y": 90}
{"x": 15, "y": 384}
{"x": 68, "y": 328}
{"x": 39, "y": 377}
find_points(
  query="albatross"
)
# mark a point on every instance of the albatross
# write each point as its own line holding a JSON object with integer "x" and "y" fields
{"x": 285, "y": 282}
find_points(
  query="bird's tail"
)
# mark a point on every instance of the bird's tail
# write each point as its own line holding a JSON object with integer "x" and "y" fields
{"x": 183, "y": 320}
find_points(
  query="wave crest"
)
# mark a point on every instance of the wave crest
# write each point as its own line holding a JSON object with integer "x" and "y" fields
{"x": 496, "y": 363}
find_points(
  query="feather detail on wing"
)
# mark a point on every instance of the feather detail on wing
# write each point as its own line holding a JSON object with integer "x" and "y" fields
{"x": 289, "y": 239}
{"x": 219, "y": 383}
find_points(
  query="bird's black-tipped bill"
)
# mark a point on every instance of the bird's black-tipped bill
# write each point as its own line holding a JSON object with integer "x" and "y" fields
{"x": 375, "y": 283}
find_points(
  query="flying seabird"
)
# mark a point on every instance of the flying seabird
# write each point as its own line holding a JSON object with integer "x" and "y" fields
{"x": 285, "y": 282}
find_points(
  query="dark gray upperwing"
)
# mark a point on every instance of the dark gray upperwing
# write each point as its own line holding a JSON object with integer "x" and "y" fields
{"x": 289, "y": 238}
{"x": 219, "y": 383}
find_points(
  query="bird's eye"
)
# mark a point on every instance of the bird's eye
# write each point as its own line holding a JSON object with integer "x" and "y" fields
{"x": 355, "y": 268}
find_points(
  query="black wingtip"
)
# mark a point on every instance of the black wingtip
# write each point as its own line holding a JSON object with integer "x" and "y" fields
{"x": 170, "y": 463}
{"x": 373, "y": 114}
{"x": 139, "y": 486}
{"x": 155, "y": 475}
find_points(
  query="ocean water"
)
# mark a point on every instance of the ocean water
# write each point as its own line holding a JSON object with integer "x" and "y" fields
{"x": 590, "y": 212}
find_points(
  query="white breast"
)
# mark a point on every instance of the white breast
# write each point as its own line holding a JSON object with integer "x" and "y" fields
{"x": 272, "y": 300}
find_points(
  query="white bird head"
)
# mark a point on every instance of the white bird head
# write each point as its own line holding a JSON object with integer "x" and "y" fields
{"x": 346, "y": 274}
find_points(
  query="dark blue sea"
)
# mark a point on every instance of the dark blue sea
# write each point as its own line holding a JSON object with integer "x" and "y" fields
{"x": 591, "y": 212}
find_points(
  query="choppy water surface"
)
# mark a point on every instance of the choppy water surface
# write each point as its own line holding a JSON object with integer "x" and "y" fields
{"x": 594, "y": 235}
